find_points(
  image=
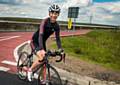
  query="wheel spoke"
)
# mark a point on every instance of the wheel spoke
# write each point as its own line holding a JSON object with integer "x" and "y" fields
{"x": 22, "y": 65}
{"x": 52, "y": 76}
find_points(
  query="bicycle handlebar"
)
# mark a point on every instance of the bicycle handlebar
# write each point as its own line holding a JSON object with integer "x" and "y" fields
{"x": 56, "y": 53}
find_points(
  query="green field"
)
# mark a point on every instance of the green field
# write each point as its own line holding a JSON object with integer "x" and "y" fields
{"x": 99, "y": 46}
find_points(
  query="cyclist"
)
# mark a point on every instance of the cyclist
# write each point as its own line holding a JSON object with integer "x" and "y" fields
{"x": 47, "y": 27}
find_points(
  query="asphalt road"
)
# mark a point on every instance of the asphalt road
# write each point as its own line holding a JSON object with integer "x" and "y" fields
{"x": 12, "y": 79}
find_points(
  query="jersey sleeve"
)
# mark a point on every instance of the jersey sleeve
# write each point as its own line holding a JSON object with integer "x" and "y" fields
{"x": 57, "y": 35}
{"x": 41, "y": 30}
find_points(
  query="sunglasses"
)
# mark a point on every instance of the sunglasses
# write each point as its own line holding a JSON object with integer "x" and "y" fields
{"x": 55, "y": 12}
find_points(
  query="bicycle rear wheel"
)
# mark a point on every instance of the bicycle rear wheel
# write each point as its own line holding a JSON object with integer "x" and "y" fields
{"x": 50, "y": 77}
{"x": 22, "y": 65}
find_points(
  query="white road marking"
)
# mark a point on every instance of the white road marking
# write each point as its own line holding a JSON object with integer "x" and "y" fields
{"x": 4, "y": 68}
{"x": 9, "y": 38}
{"x": 4, "y": 36}
{"x": 9, "y": 63}
{"x": 16, "y": 56}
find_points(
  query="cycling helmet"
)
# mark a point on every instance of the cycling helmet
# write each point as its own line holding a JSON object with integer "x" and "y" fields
{"x": 54, "y": 8}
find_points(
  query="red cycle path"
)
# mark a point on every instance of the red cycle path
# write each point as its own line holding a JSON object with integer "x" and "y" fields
{"x": 7, "y": 46}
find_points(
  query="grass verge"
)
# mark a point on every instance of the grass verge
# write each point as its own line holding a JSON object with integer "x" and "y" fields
{"x": 99, "y": 46}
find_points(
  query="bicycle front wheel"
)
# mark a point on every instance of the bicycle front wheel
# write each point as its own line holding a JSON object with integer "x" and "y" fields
{"x": 49, "y": 76}
{"x": 22, "y": 65}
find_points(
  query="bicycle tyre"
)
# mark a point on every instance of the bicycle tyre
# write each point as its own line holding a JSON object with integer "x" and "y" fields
{"x": 52, "y": 76}
{"x": 23, "y": 62}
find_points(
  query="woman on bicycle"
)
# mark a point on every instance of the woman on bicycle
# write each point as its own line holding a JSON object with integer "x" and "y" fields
{"x": 47, "y": 27}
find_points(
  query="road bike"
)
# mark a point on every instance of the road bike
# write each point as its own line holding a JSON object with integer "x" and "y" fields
{"x": 46, "y": 72}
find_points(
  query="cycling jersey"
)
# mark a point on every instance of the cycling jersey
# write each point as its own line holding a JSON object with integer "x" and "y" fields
{"x": 43, "y": 33}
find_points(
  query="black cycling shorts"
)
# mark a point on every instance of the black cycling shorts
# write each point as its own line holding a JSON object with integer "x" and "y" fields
{"x": 35, "y": 47}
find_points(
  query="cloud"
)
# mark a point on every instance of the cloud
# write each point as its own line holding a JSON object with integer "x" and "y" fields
{"x": 76, "y": 3}
{"x": 104, "y": 13}
{"x": 109, "y": 12}
{"x": 37, "y": 2}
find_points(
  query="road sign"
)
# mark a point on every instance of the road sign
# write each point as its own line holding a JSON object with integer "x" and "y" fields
{"x": 69, "y": 23}
{"x": 73, "y": 12}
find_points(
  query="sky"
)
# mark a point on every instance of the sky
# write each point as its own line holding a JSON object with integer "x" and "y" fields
{"x": 105, "y": 0}
{"x": 91, "y": 11}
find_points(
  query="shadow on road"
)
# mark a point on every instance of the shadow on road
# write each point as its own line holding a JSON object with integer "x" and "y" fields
{"x": 12, "y": 79}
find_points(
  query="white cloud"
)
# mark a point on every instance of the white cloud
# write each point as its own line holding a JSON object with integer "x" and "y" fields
{"x": 76, "y": 3}
{"x": 109, "y": 12}
{"x": 106, "y": 13}
{"x": 37, "y": 2}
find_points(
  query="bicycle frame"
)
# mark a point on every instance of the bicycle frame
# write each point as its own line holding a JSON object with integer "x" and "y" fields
{"x": 45, "y": 64}
{"x": 45, "y": 71}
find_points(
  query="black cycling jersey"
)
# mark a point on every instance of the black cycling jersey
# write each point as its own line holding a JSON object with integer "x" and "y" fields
{"x": 42, "y": 34}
